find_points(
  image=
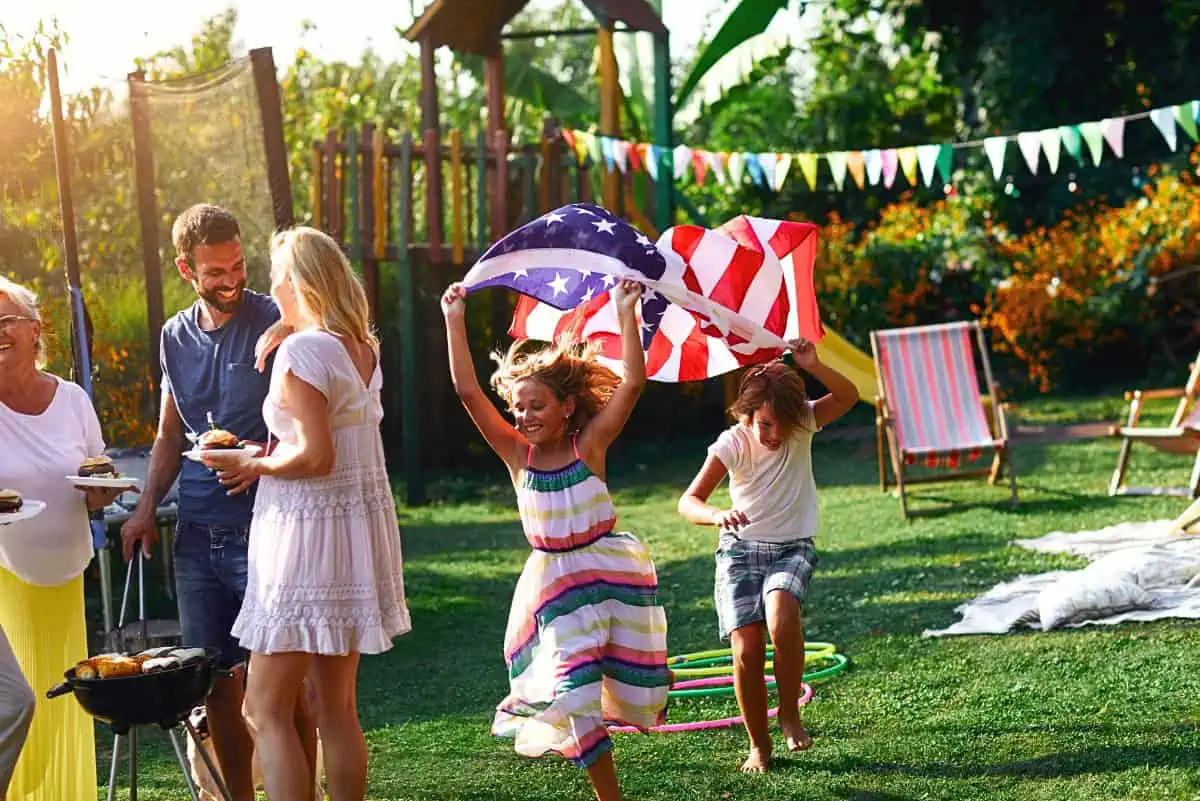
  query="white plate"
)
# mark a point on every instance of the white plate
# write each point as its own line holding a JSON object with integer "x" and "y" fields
{"x": 28, "y": 509}
{"x": 107, "y": 482}
{"x": 246, "y": 450}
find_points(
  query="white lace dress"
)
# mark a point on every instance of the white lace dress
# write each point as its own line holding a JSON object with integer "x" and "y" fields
{"x": 325, "y": 573}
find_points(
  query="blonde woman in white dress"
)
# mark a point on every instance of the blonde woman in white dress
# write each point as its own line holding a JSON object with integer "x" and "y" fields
{"x": 325, "y": 578}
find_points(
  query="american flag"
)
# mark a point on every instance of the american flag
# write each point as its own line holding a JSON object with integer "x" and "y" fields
{"x": 713, "y": 300}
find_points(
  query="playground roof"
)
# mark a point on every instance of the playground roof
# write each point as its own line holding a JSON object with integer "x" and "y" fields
{"x": 474, "y": 26}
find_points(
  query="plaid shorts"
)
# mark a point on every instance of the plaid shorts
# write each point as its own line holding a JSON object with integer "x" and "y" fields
{"x": 748, "y": 569}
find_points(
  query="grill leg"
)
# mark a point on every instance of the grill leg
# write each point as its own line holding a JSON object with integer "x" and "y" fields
{"x": 208, "y": 762}
{"x": 112, "y": 771}
{"x": 133, "y": 759}
{"x": 183, "y": 764}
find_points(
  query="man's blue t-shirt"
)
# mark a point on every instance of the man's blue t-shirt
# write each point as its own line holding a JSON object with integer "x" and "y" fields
{"x": 213, "y": 371}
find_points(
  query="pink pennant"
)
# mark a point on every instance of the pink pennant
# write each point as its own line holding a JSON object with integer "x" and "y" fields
{"x": 1114, "y": 134}
{"x": 891, "y": 163}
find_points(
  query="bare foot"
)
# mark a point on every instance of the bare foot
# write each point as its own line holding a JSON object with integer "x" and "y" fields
{"x": 798, "y": 738}
{"x": 757, "y": 761}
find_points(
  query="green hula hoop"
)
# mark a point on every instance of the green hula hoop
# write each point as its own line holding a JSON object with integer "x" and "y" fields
{"x": 708, "y": 661}
{"x": 809, "y": 647}
{"x": 840, "y": 662}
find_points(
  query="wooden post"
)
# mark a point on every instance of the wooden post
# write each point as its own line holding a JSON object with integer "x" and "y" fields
{"x": 664, "y": 187}
{"x": 143, "y": 166}
{"x": 497, "y": 139}
{"x": 379, "y": 199}
{"x": 481, "y": 194}
{"x": 350, "y": 169}
{"x": 549, "y": 175}
{"x": 433, "y": 156}
{"x": 370, "y": 263}
{"x": 316, "y": 195}
{"x": 456, "y": 197}
{"x": 410, "y": 406}
{"x": 528, "y": 194}
{"x": 610, "y": 113}
{"x": 266, "y": 86}
{"x": 332, "y": 188}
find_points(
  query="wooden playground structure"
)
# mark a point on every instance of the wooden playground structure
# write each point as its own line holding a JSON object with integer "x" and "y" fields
{"x": 430, "y": 205}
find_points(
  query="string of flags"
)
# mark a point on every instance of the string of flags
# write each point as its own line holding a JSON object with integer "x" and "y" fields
{"x": 918, "y": 164}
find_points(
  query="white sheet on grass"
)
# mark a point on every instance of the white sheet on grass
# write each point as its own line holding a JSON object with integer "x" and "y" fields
{"x": 1139, "y": 571}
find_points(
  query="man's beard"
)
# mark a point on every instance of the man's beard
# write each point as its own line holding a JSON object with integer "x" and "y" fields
{"x": 225, "y": 306}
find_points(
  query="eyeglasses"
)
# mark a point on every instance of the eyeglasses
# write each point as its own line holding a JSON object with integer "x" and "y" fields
{"x": 9, "y": 321}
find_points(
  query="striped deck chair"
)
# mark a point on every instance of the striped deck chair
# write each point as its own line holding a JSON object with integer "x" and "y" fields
{"x": 930, "y": 409}
{"x": 1182, "y": 436}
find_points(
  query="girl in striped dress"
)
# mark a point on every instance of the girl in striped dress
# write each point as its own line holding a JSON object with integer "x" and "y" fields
{"x": 587, "y": 639}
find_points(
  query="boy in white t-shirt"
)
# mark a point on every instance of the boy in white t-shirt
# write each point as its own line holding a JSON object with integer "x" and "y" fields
{"x": 765, "y": 556}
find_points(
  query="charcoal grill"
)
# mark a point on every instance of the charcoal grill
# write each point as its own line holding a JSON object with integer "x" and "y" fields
{"x": 163, "y": 699}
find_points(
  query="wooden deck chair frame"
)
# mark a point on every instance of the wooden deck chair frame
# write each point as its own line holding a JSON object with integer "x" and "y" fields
{"x": 1178, "y": 437}
{"x": 885, "y": 430}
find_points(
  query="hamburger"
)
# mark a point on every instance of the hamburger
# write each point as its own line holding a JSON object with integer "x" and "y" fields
{"x": 217, "y": 439}
{"x": 10, "y": 501}
{"x": 98, "y": 466}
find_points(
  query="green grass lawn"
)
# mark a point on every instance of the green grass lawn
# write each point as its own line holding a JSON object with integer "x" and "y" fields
{"x": 1100, "y": 712}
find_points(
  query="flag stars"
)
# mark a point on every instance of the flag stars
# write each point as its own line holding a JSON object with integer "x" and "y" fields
{"x": 553, "y": 217}
{"x": 605, "y": 226}
{"x": 609, "y": 281}
{"x": 643, "y": 240}
{"x": 559, "y": 284}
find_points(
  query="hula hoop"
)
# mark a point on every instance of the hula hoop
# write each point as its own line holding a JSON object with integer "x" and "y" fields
{"x": 809, "y": 647}
{"x": 727, "y": 659}
{"x": 723, "y": 685}
{"x": 702, "y": 725}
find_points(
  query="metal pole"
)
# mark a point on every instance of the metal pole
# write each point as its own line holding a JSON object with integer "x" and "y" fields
{"x": 664, "y": 196}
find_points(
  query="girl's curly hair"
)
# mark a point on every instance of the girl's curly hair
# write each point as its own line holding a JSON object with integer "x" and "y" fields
{"x": 568, "y": 369}
{"x": 777, "y": 384}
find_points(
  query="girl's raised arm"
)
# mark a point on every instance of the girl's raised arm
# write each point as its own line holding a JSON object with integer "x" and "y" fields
{"x": 505, "y": 440}
{"x": 607, "y": 424}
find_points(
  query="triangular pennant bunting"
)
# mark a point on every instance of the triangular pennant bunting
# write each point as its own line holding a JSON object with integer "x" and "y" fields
{"x": 682, "y": 158}
{"x": 1164, "y": 120}
{"x": 1114, "y": 134}
{"x": 592, "y": 142}
{"x": 837, "y": 166}
{"x": 782, "y": 167}
{"x": 808, "y": 167}
{"x": 768, "y": 161}
{"x": 890, "y": 164}
{"x": 1187, "y": 119}
{"x": 653, "y": 160}
{"x": 635, "y": 157}
{"x": 908, "y": 163}
{"x": 1031, "y": 146}
{"x": 945, "y": 162}
{"x": 1091, "y": 133}
{"x": 700, "y": 166}
{"x": 1052, "y": 147}
{"x": 606, "y": 148}
{"x": 855, "y": 164}
{"x": 994, "y": 147}
{"x": 1072, "y": 142}
{"x": 873, "y": 160}
{"x": 737, "y": 166}
{"x": 620, "y": 155}
{"x": 716, "y": 163}
{"x": 755, "y": 170}
{"x": 927, "y": 158}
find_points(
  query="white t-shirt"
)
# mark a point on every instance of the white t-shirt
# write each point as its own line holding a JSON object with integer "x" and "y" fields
{"x": 37, "y": 453}
{"x": 775, "y": 489}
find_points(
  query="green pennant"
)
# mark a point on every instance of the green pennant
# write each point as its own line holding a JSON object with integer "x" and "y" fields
{"x": 1072, "y": 141}
{"x": 1183, "y": 113}
{"x": 1095, "y": 139}
{"x": 945, "y": 162}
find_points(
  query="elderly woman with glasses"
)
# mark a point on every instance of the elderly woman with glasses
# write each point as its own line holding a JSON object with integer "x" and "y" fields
{"x": 48, "y": 427}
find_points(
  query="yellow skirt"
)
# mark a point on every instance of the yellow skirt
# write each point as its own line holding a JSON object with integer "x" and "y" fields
{"x": 48, "y": 633}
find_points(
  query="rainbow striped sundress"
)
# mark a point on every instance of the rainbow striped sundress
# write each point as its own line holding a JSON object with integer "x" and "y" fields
{"x": 586, "y": 642}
